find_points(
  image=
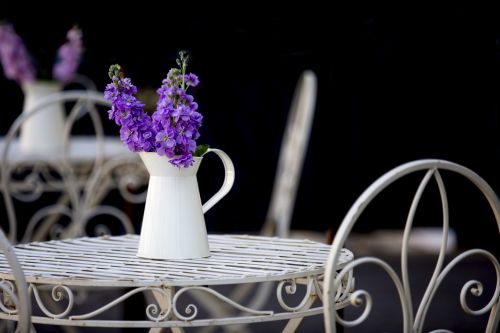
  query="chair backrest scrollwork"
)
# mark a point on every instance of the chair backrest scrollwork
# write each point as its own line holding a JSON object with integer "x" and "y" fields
{"x": 413, "y": 321}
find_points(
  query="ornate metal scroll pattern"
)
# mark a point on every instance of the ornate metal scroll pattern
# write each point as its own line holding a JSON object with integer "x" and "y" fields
{"x": 345, "y": 288}
{"x": 78, "y": 227}
{"x": 126, "y": 173}
{"x": 58, "y": 293}
{"x": 9, "y": 307}
{"x": 32, "y": 186}
{"x": 473, "y": 286}
{"x": 110, "y": 211}
{"x": 362, "y": 297}
{"x": 133, "y": 179}
{"x": 40, "y": 221}
{"x": 291, "y": 288}
{"x": 192, "y": 311}
{"x": 439, "y": 273}
{"x": 414, "y": 323}
{"x": 153, "y": 312}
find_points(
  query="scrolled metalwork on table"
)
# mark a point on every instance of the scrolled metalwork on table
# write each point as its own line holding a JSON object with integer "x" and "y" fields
{"x": 156, "y": 315}
{"x": 290, "y": 287}
{"x": 57, "y": 293}
{"x": 192, "y": 310}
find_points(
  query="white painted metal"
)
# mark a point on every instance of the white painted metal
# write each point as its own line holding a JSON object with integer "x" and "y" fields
{"x": 173, "y": 225}
{"x": 287, "y": 178}
{"x": 81, "y": 149}
{"x": 125, "y": 172}
{"x": 42, "y": 133}
{"x": 413, "y": 322}
{"x": 306, "y": 303}
{"x": 12, "y": 304}
{"x": 292, "y": 155}
{"x": 228, "y": 182}
{"x": 26, "y": 176}
{"x": 111, "y": 263}
{"x": 163, "y": 302}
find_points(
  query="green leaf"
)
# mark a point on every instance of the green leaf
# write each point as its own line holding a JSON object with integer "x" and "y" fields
{"x": 200, "y": 150}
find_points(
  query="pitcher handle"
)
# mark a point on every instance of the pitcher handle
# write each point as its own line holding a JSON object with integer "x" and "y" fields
{"x": 228, "y": 179}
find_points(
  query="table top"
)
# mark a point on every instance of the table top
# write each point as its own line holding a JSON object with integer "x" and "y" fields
{"x": 82, "y": 148}
{"x": 112, "y": 261}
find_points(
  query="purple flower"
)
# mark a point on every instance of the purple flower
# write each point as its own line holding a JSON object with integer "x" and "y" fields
{"x": 183, "y": 161}
{"x": 192, "y": 80}
{"x": 15, "y": 59}
{"x": 173, "y": 128}
{"x": 17, "y": 64}
{"x": 69, "y": 55}
{"x": 136, "y": 129}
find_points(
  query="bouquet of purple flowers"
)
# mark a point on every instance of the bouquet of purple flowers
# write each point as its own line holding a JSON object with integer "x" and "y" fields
{"x": 172, "y": 130}
{"x": 17, "y": 64}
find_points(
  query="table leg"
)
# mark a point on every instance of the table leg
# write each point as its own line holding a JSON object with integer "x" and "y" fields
{"x": 292, "y": 324}
{"x": 164, "y": 305}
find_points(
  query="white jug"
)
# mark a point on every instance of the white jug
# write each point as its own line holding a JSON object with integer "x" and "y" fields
{"x": 43, "y": 131}
{"x": 173, "y": 225}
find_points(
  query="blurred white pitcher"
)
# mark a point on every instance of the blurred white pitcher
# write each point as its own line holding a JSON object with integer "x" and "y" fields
{"x": 173, "y": 225}
{"x": 43, "y": 131}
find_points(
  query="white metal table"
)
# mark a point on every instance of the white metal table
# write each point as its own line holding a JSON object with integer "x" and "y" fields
{"x": 82, "y": 153}
{"x": 82, "y": 149}
{"x": 84, "y": 172}
{"x": 110, "y": 263}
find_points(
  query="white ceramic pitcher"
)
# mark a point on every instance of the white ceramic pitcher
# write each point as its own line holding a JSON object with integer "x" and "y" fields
{"x": 173, "y": 225}
{"x": 43, "y": 131}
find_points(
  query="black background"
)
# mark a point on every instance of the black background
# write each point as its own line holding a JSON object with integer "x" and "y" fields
{"x": 395, "y": 84}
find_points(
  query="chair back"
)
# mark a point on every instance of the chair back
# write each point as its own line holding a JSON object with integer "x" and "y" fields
{"x": 413, "y": 321}
{"x": 292, "y": 154}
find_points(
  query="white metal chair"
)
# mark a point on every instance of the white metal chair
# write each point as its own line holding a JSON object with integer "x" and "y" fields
{"x": 292, "y": 155}
{"x": 15, "y": 301}
{"x": 26, "y": 179}
{"x": 288, "y": 173}
{"x": 414, "y": 321}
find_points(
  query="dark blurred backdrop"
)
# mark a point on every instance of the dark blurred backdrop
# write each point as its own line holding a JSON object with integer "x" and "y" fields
{"x": 395, "y": 84}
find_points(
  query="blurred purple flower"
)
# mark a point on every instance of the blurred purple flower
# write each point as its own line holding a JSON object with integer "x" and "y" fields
{"x": 17, "y": 63}
{"x": 69, "y": 56}
{"x": 15, "y": 59}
